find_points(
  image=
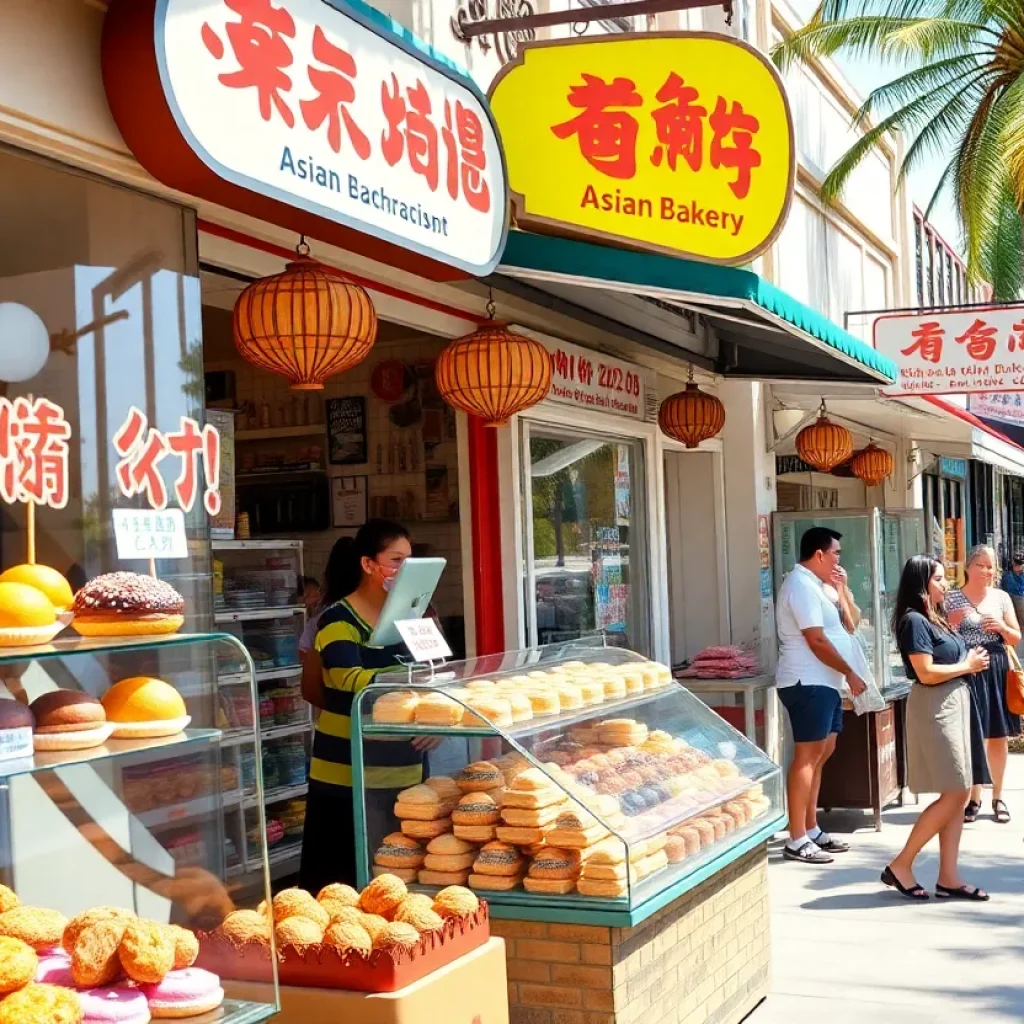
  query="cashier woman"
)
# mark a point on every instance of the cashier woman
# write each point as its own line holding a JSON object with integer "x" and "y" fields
{"x": 360, "y": 572}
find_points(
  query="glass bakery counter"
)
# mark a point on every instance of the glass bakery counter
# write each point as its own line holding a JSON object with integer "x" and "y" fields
{"x": 116, "y": 791}
{"x": 572, "y": 783}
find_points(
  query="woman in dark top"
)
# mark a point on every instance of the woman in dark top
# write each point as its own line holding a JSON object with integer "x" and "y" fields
{"x": 938, "y": 727}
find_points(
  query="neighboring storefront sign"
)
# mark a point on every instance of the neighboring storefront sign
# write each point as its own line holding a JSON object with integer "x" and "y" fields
{"x": 956, "y": 468}
{"x": 976, "y": 350}
{"x": 676, "y": 142}
{"x": 592, "y": 380}
{"x": 312, "y": 115}
{"x": 1007, "y": 408}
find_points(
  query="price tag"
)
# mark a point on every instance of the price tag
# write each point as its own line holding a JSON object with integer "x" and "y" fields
{"x": 424, "y": 639}
{"x": 142, "y": 533}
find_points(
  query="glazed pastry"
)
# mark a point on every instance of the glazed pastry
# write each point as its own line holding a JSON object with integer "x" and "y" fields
{"x": 397, "y": 707}
{"x": 187, "y": 993}
{"x": 95, "y": 956}
{"x": 298, "y": 931}
{"x": 427, "y": 877}
{"x": 634, "y": 680}
{"x": 479, "y": 777}
{"x": 127, "y": 604}
{"x": 555, "y": 864}
{"x": 399, "y": 851}
{"x": 68, "y": 720}
{"x": 495, "y": 883}
{"x": 476, "y": 809}
{"x": 143, "y": 708}
{"x": 383, "y": 896}
{"x": 498, "y": 859}
{"x": 41, "y": 1004}
{"x": 439, "y": 709}
{"x": 576, "y": 830}
{"x": 348, "y": 935}
{"x": 426, "y": 829}
{"x": 605, "y": 872}
{"x": 397, "y": 935}
{"x": 37, "y": 927}
{"x": 18, "y": 964}
{"x": 54, "y": 587}
{"x": 489, "y": 710}
{"x": 455, "y": 901}
{"x": 407, "y": 875}
{"x": 146, "y": 951}
{"x": 421, "y": 803}
{"x": 298, "y": 903}
{"x": 445, "y": 788}
{"x": 544, "y": 702}
{"x": 26, "y": 616}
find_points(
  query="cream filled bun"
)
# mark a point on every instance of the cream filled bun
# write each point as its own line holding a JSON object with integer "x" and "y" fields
{"x": 46, "y": 580}
{"x": 127, "y": 604}
{"x": 69, "y": 720}
{"x": 26, "y": 616}
{"x": 143, "y": 707}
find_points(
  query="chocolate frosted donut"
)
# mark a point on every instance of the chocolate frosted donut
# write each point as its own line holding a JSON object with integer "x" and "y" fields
{"x": 127, "y": 604}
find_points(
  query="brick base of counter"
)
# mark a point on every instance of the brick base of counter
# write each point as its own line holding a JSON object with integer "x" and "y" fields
{"x": 704, "y": 959}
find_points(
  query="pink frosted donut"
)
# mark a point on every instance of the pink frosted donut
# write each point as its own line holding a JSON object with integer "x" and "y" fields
{"x": 55, "y": 969}
{"x": 117, "y": 1004}
{"x": 185, "y": 993}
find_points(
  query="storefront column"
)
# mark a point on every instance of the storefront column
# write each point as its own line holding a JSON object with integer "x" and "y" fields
{"x": 485, "y": 506}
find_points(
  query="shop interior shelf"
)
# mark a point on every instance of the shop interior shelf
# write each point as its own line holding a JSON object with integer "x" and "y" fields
{"x": 277, "y": 795}
{"x": 285, "y": 612}
{"x": 76, "y": 645}
{"x": 256, "y": 545}
{"x": 200, "y": 807}
{"x": 237, "y": 737}
{"x": 125, "y": 751}
{"x": 262, "y": 676}
{"x": 273, "y": 433}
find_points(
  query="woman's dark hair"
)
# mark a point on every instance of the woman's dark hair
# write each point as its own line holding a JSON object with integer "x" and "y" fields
{"x": 912, "y": 593}
{"x": 344, "y": 566}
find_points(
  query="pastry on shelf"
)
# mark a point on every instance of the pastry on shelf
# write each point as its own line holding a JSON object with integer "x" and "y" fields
{"x": 422, "y": 803}
{"x": 50, "y": 583}
{"x": 120, "y": 604}
{"x": 69, "y": 720}
{"x": 27, "y": 617}
{"x": 145, "y": 708}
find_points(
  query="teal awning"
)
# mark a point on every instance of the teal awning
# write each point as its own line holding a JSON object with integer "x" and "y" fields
{"x": 762, "y": 332}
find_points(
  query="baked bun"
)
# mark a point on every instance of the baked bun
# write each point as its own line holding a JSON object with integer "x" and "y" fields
{"x": 479, "y": 777}
{"x": 382, "y": 896}
{"x": 47, "y": 581}
{"x": 399, "y": 851}
{"x": 69, "y": 720}
{"x": 456, "y": 901}
{"x": 144, "y": 707}
{"x": 26, "y": 616}
{"x": 348, "y": 935}
{"x": 127, "y": 604}
{"x": 476, "y": 809}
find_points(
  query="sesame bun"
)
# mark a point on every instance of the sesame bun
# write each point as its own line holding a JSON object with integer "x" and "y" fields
{"x": 26, "y": 616}
{"x": 127, "y": 604}
{"x": 144, "y": 707}
{"x": 48, "y": 581}
{"x": 67, "y": 711}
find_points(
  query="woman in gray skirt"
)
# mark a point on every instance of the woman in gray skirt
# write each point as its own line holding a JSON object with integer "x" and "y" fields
{"x": 938, "y": 727}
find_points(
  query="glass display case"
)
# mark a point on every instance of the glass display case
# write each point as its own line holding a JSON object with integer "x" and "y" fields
{"x": 876, "y": 544}
{"x": 574, "y": 782}
{"x": 118, "y": 800}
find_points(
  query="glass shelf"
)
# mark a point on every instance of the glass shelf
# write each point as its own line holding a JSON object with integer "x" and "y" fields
{"x": 234, "y": 1011}
{"x": 127, "y": 751}
{"x": 74, "y": 645}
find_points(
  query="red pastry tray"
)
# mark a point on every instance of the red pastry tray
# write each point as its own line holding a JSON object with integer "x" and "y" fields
{"x": 319, "y": 966}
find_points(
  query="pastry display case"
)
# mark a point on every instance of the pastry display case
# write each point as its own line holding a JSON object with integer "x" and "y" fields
{"x": 118, "y": 857}
{"x": 576, "y": 782}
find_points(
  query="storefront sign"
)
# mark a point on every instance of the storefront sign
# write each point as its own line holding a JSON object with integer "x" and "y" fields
{"x": 312, "y": 114}
{"x": 33, "y": 452}
{"x": 1007, "y": 408}
{"x": 141, "y": 448}
{"x": 592, "y": 380}
{"x": 145, "y": 534}
{"x": 956, "y": 468}
{"x": 676, "y": 142}
{"x": 976, "y": 350}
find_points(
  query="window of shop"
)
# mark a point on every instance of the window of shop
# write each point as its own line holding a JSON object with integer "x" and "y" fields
{"x": 918, "y": 261}
{"x": 930, "y": 267}
{"x": 945, "y": 511}
{"x": 586, "y": 529}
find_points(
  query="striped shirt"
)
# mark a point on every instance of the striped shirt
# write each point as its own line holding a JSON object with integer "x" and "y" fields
{"x": 350, "y": 664}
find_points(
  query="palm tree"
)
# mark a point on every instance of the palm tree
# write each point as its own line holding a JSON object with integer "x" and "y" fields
{"x": 963, "y": 98}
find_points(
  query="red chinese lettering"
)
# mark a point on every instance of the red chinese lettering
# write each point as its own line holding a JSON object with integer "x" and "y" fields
{"x": 211, "y": 465}
{"x": 980, "y": 340}
{"x": 564, "y": 364}
{"x": 141, "y": 450}
{"x": 33, "y": 452}
{"x": 467, "y": 161}
{"x": 741, "y": 156}
{"x": 335, "y": 91}
{"x": 679, "y": 125}
{"x": 927, "y": 341}
{"x": 418, "y": 138}
{"x": 586, "y": 370}
{"x": 188, "y": 444}
{"x": 258, "y": 43}
{"x": 1017, "y": 337}
{"x": 607, "y": 138}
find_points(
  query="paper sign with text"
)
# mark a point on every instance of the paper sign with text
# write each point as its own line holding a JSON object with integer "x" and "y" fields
{"x": 141, "y": 533}
{"x": 424, "y": 639}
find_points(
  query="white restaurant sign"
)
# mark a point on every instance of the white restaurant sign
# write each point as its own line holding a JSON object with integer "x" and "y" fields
{"x": 975, "y": 351}
{"x": 1007, "y": 408}
{"x": 320, "y": 105}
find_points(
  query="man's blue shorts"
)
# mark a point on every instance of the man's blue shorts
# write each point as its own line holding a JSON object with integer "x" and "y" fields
{"x": 815, "y": 712}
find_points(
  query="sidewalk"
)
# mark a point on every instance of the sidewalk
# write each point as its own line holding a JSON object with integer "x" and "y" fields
{"x": 846, "y": 950}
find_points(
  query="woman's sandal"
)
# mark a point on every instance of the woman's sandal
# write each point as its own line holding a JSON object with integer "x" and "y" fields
{"x": 971, "y": 812}
{"x": 964, "y": 892}
{"x": 914, "y": 892}
{"x": 1000, "y": 812}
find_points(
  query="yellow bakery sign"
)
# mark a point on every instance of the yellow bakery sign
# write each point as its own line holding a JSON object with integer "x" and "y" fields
{"x": 677, "y": 142}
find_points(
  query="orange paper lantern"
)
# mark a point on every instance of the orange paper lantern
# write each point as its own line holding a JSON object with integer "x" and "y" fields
{"x": 824, "y": 444}
{"x": 493, "y": 373}
{"x": 307, "y": 323}
{"x": 872, "y": 465}
{"x": 691, "y": 415}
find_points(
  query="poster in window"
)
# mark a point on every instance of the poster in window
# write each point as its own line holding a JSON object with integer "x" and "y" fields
{"x": 348, "y": 502}
{"x": 346, "y": 431}
{"x": 222, "y": 525}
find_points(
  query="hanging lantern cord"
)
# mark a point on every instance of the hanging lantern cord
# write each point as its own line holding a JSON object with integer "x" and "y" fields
{"x": 303, "y": 247}
{"x": 689, "y": 378}
{"x": 491, "y": 307}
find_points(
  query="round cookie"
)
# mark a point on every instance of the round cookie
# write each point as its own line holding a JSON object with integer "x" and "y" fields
{"x": 42, "y": 1004}
{"x": 37, "y": 927}
{"x": 18, "y": 964}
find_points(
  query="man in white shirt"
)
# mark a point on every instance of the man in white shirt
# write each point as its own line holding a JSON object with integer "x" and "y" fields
{"x": 813, "y": 666}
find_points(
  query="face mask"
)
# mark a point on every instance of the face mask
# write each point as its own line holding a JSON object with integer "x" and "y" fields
{"x": 387, "y": 578}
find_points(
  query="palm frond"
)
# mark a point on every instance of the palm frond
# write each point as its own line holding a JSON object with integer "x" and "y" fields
{"x": 1012, "y": 140}
{"x": 939, "y": 77}
{"x": 934, "y": 38}
{"x": 943, "y": 183}
{"x": 1000, "y": 259}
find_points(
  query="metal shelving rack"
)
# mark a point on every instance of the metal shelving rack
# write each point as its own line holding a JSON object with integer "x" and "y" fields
{"x": 284, "y": 855}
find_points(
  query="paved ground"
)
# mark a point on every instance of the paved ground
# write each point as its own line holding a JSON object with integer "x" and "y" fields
{"x": 848, "y": 951}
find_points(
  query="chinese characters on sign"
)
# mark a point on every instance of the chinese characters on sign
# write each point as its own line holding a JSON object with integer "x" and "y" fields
{"x": 978, "y": 350}
{"x": 309, "y": 104}
{"x": 425, "y": 641}
{"x": 144, "y": 534}
{"x": 1008, "y": 408}
{"x": 33, "y": 452}
{"x": 679, "y": 142}
{"x": 141, "y": 448}
{"x": 593, "y": 380}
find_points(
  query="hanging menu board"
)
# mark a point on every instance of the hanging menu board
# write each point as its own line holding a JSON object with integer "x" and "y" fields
{"x": 346, "y": 431}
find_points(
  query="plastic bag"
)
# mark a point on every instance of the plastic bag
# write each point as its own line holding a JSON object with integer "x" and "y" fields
{"x": 871, "y": 699}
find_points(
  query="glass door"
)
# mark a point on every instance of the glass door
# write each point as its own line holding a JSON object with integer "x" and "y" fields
{"x": 586, "y": 530}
